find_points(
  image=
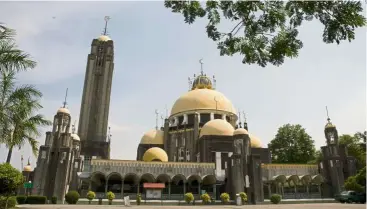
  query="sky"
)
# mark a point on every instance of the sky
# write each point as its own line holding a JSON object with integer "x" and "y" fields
{"x": 156, "y": 52}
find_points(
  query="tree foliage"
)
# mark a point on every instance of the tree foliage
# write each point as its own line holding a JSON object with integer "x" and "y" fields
{"x": 267, "y": 31}
{"x": 317, "y": 157}
{"x": 10, "y": 179}
{"x": 355, "y": 148}
{"x": 292, "y": 145}
{"x": 356, "y": 183}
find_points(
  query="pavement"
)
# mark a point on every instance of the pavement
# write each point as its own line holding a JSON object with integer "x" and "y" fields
{"x": 280, "y": 206}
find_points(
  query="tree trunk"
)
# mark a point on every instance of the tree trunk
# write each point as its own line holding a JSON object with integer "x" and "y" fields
{"x": 9, "y": 154}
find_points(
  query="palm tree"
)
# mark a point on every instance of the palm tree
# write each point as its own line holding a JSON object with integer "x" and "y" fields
{"x": 12, "y": 58}
{"x": 17, "y": 106}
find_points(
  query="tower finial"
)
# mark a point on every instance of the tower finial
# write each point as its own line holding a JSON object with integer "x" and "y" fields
{"x": 244, "y": 116}
{"x": 66, "y": 96}
{"x": 106, "y": 19}
{"x": 156, "y": 119}
{"x": 21, "y": 161}
{"x": 109, "y": 136}
{"x": 162, "y": 118}
{"x": 201, "y": 66}
{"x": 327, "y": 114}
{"x": 165, "y": 107}
{"x": 239, "y": 118}
{"x": 73, "y": 128}
{"x": 29, "y": 162}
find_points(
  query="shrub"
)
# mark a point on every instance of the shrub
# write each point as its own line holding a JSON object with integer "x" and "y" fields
{"x": 90, "y": 196}
{"x": 243, "y": 197}
{"x": 138, "y": 199}
{"x": 35, "y": 199}
{"x": 21, "y": 199}
{"x": 72, "y": 197}
{"x": 7, "y": 202}
{"x": 189, "y": 197}
{"x": 224, "y": 197}
{"x": 275, "y": 198}
{"x": 110, "y": 196}
{"x": 54, "y": 200}
{"x": 205, "y": 198}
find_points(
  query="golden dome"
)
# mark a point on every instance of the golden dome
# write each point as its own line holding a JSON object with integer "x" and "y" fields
{"x": 75, "y": 137}
{"x": 104, "y": 38}
{"x": 27, "y": 168}
{"x": 155, "y": 154}
{"x": 153, "y": 137}
{"x": 240, "y": 131}
{"x": 202, "y": 82}
{"x": 202, "y": 99}
{"x": 255, "y": 142}
{"x": 330, "y": 125}
{"x": 63, "y": 110}
{"x": 217, "y": 127}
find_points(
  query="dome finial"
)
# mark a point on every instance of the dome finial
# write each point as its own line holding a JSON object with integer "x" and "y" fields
{"x": 327, "y": 114}
{"x": 66, "y": 96}
{"x": 156, "y": 119}
{"x": 106, "y": 19}
{"x": 201, "y": 66}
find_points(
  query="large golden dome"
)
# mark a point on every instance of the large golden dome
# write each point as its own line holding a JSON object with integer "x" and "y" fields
{"x": 202, "y": 99}
{"x": 155, "y": 154}
{"x": 153, "y": 137}
{"x": 27, "y": 168}
{"x": 255, "y": 142}
{"x": 240, "y": 131}
{"x": 217, "y": 127}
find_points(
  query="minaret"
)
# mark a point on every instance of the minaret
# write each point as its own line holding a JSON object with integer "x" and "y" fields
{"x": 94, "y": 110}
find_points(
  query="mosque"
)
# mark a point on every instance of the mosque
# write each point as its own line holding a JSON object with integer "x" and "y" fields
{"x": 202, "y": 147}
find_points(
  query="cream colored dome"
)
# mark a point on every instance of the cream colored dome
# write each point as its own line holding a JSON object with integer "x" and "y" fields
{"x": 27, "y": 168}
{"x": 104, "y": 38}
{"x": 75, "y": 137}
{"x": 217, "y": 127}
{"x": 255, "y": 142}
{"x": 63, "y": 110}
{"x": 155, "y": 154}
{"x": 240, "y": 131}
{"x": 153, "y": 137}
{"x": 202, "y": 99}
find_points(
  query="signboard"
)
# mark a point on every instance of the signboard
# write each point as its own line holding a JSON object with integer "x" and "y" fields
{"x": 28, "y": 185}
{"x": 127, "y": 201}
{"x": 153, "y": 193}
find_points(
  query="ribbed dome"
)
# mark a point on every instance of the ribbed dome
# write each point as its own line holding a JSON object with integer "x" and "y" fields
{"x": 240, "y": 131}
{"x": 217, "y": 127}
{"x": 155, "y": 154}
{"x": 202, "y": 99}
{"x": 202, "y": 82}
{"x": 63, "y": 110}
{"x": 255, "y": 142}
{"x": 27, "y": 168}
{"x": 104, "y": 38}
{"x": 153, "y": 137}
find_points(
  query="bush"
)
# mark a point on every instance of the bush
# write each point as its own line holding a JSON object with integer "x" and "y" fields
{"x": 54, "y": 200}
{"x": 10, "y": 203}
{"x": 352, "y": 184}
{"x": 72, "y": 197}
{"x": 275, "y": 198}
{"x": 189, "y": 197}
{"x": 110, "y": 196}
{"x": 35, "y": 199}
{"x": 224, "y": 197}
{"x": 205, "y": 198}
{"x": 90, "y": 196}
{"x": 243, "y": 197}
{"x": 21, "y": 199}
{"x": 138, "y": 199}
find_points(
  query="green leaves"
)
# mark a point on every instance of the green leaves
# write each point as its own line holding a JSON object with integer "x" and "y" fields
{"x": 10, "y": 179}
{"x": 267, "y": 31}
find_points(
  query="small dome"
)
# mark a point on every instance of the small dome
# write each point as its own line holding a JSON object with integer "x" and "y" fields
{"x": 202, "y": 82}
{"x": 155, "y": 154}
{"x": 63, "y": 110}
{"x": 330, "y": 125}
{"x": 75, "y": 137}
{"x": 240, "y": 131}
{"x": 104, "y": 38}
{"x": 255, "y": 142}
{"x": 217, "y": 127}
{"x": 153, "y": 137}
{"x": 27, "y": 168}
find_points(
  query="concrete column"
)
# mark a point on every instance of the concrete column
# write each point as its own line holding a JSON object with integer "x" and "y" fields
{"x": 138, "y": 187}
{"x": 90, "y": 185}
{"x": 122, "y": 189}
{"x": 106, "y": 187}
{"x": 199, "y": 187}
{"x": 269, "y": 190}
{"x": 308, "y": 190}
{"x": 215, "y": 191}
{"x": 295, "y": 192}
{"x": 169, "y": 190}
{"x": 184, "y": 188}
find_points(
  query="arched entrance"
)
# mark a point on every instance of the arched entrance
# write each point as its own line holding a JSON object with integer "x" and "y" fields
{"x": 193, "y": 185}
{"x": 98, "y": 182}
{"x": 165, "y": 179}
{"x": 114, "y": 184}
{"x": 178, "y": 187}
{"x": 209, "y": 185}
{"x": 145, "y": 178}
{"x": 130, "y": 185}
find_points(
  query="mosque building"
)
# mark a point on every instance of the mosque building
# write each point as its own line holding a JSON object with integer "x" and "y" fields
{"x": 202, "y": 147}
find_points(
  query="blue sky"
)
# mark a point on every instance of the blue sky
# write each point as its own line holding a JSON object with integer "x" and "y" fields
{"x": 155, "y": 53}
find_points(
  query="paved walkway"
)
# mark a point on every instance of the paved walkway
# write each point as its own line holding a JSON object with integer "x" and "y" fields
{"x": 281, "y": 206}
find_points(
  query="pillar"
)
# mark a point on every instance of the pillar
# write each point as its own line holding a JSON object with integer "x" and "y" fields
{"x": 122, "y": 189}
{"x": 106, "y": 187}
{"x": 295, "y": 191}
{"x": 90, "y": 185}
{"x": 269, "y": 190}
{"x": 199, "y": 189}
{"x": 215, "y": 191}
{"x": 308, "y": 190}
{"x": 169, "y": 190}
{"x": 184, "y": 188}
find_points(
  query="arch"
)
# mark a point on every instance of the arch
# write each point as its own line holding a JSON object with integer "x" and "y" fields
{"x": 194, "y": 177}
{"x": 209, "y": 180}
{"x": 317, "y": 179}
{"x": 163, "y": 178}
{"x": 147, "y": 177}
{"x": 131, "y": 177}
{"x": 292, "y": 180}
{"x": 98, "y": 182}
{"x": 114, "y": 182}
{"x": 114, "y": 175}
{"x": 305, "y": 179}
{"x": 178, "y": 178}
{"x": 280, "y": 178}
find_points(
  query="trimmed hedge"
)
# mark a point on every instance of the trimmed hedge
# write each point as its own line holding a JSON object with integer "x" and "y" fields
{"x": 54, "y": 200}
{"x": 35, "y": 199}
{"x": 275, "y": 198}
{"x": 21, "y": 199}
{"x": 72, "y": 197}
{"x": 12, "y": 202}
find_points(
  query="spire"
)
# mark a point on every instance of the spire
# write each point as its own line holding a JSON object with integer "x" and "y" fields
{"x": 109, "y": 136}
{"x": 162, "y": 118}
{"x": 66, "y": 96}
{"x": 239, "y": 119}
{"x": 21, "y": 161}
{"x": 29, "y": 162}
{"x": 329, "y": 124}
{"x": 245, "y": 121}
{"x": 201, "y": 66}
{"x": 327, "y": 114}
{"x": 106, "y": 19}
{"x": 156, "y": 119}
{"x": 165, "y": 107}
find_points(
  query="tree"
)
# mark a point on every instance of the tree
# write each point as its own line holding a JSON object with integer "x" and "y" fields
{"x": 12, "y": 58}
{"x": 10, "y": 180}
{"x": 361, "y": 136}
{"x": 354, "y": 148}
{"x": 292, "y": 145}
{"x": 267, "y": 31}
{"x": 357, "y": 182}
{"x": 317, "y": 158}
{"x": 18, "y": 124}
